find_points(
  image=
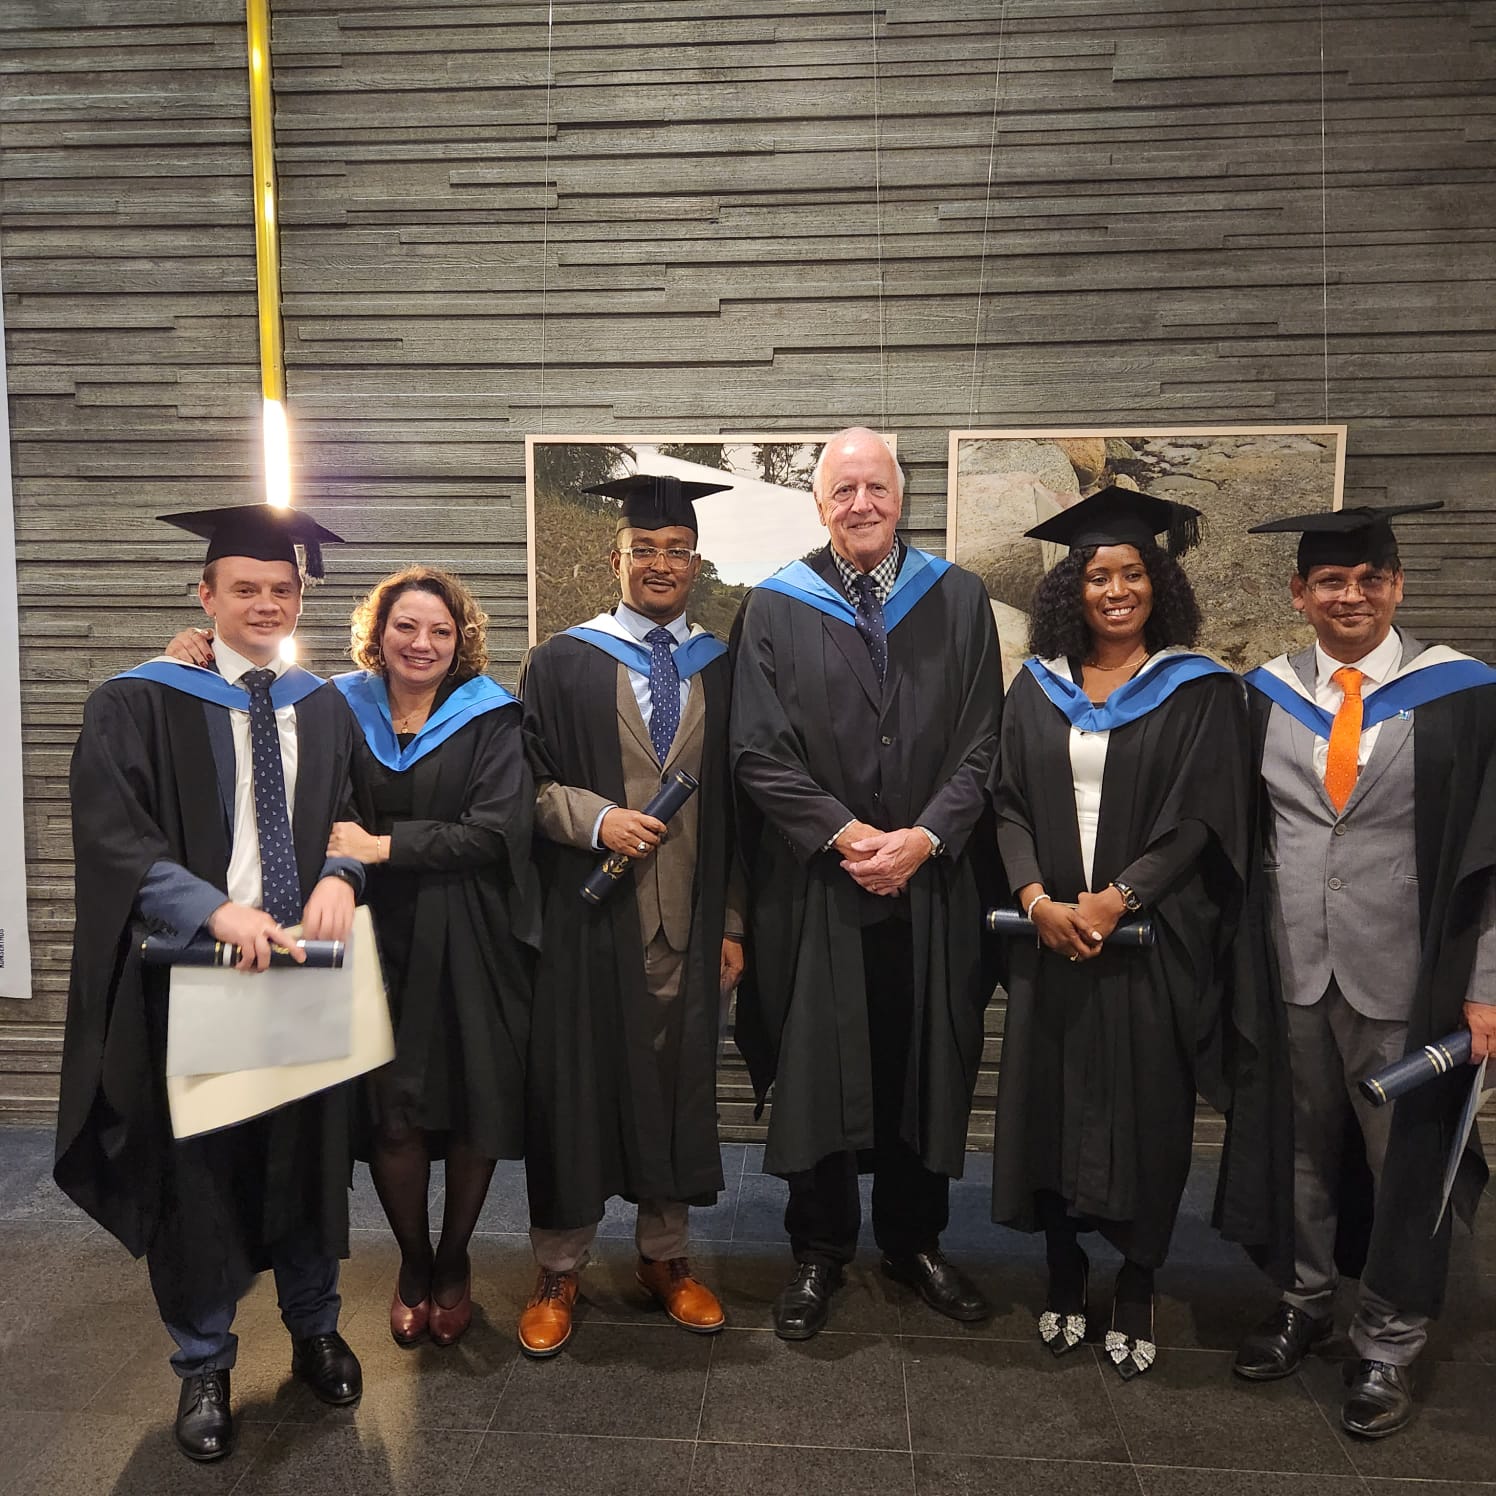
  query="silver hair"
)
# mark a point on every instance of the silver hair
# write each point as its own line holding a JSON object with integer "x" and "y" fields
{"x": 815, "y": 472}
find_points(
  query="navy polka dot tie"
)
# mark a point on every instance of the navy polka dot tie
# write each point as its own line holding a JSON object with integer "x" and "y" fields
{"x": 280, "y": 886}
{"x": 870, "y": 623}
{"x": 664, "y": 692}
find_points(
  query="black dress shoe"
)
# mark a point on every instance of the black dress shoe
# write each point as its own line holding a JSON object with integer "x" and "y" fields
{"x": 944, "y": 1288}
{"x": 1380, "y": 1401}
{"x": 205, "y": 1427}
{"x": 1277, "y": 1347}
{"x": 802, "y": 1308}
{"x": 328, "y": 1367}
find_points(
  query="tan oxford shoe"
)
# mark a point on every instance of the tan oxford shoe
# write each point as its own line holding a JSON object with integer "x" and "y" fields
{"x": 545, "y": 1324}
{"x": 686, "y": 1301}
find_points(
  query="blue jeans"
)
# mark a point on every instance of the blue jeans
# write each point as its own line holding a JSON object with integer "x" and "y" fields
{"x": 306, "y": 1284}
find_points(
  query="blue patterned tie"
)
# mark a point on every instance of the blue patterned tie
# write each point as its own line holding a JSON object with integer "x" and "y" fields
{"x": 280, "y": 895}
{"x": 870, "y": 623}
{"x": 664, "y": 692}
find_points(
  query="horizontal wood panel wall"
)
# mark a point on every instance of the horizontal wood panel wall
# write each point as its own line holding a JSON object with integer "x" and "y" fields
{"x": 695, "y": 216}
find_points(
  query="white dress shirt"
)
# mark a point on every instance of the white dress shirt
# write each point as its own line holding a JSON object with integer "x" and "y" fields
{"x": 1377, "y": 666}
{"x": 244, "y": 860}
{"x": 1088, "y": 766}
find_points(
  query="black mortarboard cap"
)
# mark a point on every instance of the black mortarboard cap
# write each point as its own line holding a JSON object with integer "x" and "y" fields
{"x": 1122, "y": 516}
{"x": 1344, "y": 537}
{"x": 262, "y": 532}
{"x": 653, "y": 501}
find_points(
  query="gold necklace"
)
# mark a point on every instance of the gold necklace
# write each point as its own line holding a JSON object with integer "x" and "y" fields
{"x": 1109, "y": 669}
{"x": 403, "y": 723}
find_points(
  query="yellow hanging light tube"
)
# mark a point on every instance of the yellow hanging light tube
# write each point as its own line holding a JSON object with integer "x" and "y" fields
{"x": 267, "y": 255}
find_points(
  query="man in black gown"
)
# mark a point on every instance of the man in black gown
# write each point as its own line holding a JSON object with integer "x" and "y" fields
{"x": 623, "y": 1047}
{"x": 1378, "y": 838}
{"x": 866, "y": 700}
{"x": 181, "y": 784}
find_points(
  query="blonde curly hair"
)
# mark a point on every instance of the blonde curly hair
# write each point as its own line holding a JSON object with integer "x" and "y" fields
{"x": 372, "y": 615}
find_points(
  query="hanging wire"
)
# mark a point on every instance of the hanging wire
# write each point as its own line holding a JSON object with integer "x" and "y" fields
{"x": 976, "y": 331}
{"x": 1324, "y": 214}
{"x": 878, "y": 206}
{"x": 545, "y": 207}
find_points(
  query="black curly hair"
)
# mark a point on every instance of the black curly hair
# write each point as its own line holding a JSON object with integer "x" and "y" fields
{"x": 1058, "y": 623}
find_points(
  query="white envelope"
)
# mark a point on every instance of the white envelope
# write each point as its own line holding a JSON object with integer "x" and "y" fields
{"x": 203, "y": 1102}
{"x": 222, "y": 1020}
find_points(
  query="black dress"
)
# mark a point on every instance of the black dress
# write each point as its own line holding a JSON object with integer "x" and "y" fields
{"x": 456, "y": 908}
{"x": 1102, "y": 1058}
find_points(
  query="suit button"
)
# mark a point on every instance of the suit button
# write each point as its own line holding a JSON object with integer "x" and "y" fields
{"x": 886, "y": 741}
{"x": 1336, "y": 883}
{"x": 1339, "y": 828}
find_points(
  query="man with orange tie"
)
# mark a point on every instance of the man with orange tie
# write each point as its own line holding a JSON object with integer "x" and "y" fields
{"x": 1375, "y": 895}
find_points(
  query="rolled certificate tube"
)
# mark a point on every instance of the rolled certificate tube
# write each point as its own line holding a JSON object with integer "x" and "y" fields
{"x": 673, "y": 792}
{"x": 1413, "y": 1070}
{"x": 1014, "y": 922}
{"x": 155, "y": 951}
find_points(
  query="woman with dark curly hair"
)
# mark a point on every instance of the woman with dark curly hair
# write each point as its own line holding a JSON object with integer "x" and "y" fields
{"x": 1120, "y": 794}
{"x": 446, "y": 799}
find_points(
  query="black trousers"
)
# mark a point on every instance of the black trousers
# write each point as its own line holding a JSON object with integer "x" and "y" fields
{"x": 910, "y": 1203}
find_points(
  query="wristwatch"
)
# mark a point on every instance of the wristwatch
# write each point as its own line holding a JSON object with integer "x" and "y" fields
{"x": 1130, "y": 901}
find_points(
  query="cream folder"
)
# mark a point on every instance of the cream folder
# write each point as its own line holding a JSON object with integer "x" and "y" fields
{"x": 204, "y": 1103}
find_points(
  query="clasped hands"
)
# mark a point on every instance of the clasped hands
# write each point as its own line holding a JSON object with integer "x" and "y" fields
{"x": 1075, "y": 930}
{"x": 327, "y": 915}
{"x": 882, "y": 862}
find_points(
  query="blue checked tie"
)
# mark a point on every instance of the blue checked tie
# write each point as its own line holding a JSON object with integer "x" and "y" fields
{"x": 870, "y": 623}
{"x": 280, "y": 886}
{"x": 664, "y": 692}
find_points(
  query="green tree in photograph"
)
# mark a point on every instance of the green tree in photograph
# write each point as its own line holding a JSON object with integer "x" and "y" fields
{"x": 703, "y": 454}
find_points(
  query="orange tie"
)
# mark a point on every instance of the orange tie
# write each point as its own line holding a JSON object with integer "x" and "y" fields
{"x": 1341, "y": 766}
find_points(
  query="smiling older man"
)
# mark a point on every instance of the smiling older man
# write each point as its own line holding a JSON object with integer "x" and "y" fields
{"x": 866, "y": 698}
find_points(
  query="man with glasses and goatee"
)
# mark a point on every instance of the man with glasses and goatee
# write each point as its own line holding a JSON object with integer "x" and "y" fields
{"x": 622, "y": 1077}
{"x": 1375, "y": 919}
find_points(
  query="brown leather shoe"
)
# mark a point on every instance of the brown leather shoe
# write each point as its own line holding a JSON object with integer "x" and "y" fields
{"x": 686, "y": 1301}
{"x": 408, "y": 1321}
{"x": 545, "y": 1324}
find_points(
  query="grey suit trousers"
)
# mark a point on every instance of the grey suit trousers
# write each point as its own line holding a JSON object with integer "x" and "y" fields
{"x": 1332, "y": 1048}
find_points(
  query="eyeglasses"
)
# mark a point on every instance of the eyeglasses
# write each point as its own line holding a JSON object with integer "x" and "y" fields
{"x": 677, "y": 558}
{"x": 1373, "y": 584}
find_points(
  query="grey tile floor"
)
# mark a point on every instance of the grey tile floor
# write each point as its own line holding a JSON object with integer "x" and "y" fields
{"x": 892, "y": 1400}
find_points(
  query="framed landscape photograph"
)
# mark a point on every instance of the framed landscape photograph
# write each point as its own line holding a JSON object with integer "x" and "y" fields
{"x": 763, "y": 520}
{"x": 1002, "y": 483}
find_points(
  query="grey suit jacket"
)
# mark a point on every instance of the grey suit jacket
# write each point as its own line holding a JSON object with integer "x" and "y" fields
{"x": 1344, "y": 888}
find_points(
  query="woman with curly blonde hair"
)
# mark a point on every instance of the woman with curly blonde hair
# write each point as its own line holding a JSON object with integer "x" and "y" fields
{"x": 446, "y": 798}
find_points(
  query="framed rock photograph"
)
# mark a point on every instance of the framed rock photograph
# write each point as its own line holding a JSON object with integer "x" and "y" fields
{"x": 763, "y": 520}
{"x": 1003, "y": 483}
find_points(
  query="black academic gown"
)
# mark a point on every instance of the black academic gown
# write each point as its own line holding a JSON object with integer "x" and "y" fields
{"x": 144, "y": 789}
{"x": 817, "y": 741}
{"x": 600, "y": 1120}
{"x": 1102, "y": 1058}
{"x": 1396, "y": 1250}
{"x": 457, "y": 908}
